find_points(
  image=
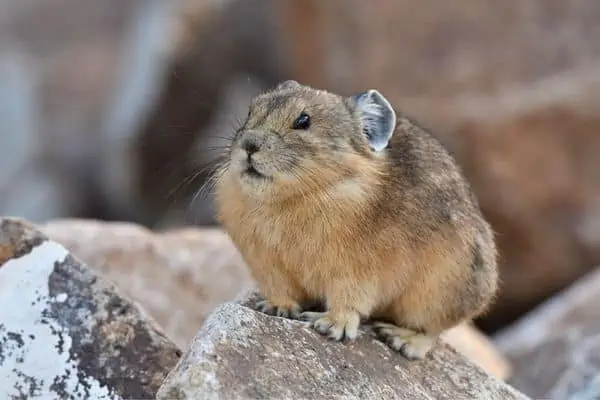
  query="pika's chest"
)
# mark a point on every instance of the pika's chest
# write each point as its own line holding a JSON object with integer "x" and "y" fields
{"x": 293, "y": 237}
{"x": 296, "y": 243}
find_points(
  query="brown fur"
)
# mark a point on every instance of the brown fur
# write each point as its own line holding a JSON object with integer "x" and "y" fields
{"x": 395, "y": 235}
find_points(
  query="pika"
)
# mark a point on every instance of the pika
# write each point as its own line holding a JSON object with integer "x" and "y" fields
{"x": 345, "y": 202}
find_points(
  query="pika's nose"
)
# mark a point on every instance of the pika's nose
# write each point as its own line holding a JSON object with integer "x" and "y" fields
{"x": 250, "y": 145}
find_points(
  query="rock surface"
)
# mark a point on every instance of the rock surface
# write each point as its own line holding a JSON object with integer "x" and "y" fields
{"x": 555, "y": 350}
{"x": 65, "y": 332}
{"x": 178, "y": 276}
{"x": 182, "y": 275}
{"x": 243, "y": 354}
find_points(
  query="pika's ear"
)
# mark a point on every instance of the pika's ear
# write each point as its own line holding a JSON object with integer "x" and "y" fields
{"x": 289, "y": 84}
{"x": 377, "y": 116}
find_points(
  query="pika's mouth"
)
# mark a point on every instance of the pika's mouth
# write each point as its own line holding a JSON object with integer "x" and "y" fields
{"x": 252, "y": 172}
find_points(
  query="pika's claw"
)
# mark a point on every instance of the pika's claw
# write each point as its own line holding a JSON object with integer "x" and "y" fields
{"x": 334, "y": 326}
{"x": 311, "y": 316}
{"x": 288, "y": 311}
{"x": 411, "y": 344}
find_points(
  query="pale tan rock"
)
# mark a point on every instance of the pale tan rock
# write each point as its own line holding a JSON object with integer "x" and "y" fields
{"x": 479, "y": 349}
{"x": 555, "y": 349}
{"x": 243, "y": 354}
{"x": 179, "y": 276}
{"x": 66, "y": 332}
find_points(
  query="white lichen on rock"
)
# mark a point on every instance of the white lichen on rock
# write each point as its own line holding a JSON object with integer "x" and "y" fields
{"x": 35, "y": 360}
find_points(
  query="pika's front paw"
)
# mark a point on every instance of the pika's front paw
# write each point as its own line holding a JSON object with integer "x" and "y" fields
{"x": 336, "y": 326}
{"x": 411, "y": 344}
{"x": 286, "y": 311}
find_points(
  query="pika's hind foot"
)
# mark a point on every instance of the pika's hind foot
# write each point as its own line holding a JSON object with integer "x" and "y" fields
{"x": 411, "y": 344}
{"x": 292, "y": 311}
{"x": 335, "y": 326}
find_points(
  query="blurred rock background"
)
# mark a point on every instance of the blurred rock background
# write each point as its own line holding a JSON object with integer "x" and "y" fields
{"x": 114, "y": 110}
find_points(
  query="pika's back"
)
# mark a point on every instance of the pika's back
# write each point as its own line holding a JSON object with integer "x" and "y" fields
{"x": 424, "y": 186}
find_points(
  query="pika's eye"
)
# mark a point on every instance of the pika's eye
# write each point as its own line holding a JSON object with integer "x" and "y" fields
{"x": 302, "y": 122}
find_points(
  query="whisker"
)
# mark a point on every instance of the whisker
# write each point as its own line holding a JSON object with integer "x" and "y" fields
{"x": 187, "y": 180}
{"x": 218, "y": 147}
{"x": 208, "y": 185}
{"x": 230, "y": 138}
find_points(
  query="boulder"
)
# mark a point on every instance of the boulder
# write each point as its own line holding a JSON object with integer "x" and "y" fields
{"x": 555, "y": 349}
{"x": 182, "y": 275}
{"x": 67, "y": 333}
{"x": 179, "y": 276}
{"x": 243, "y": 354}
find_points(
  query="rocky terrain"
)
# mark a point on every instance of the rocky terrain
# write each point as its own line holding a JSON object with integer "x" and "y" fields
{"x": 69, "y": 331}
{"x": 125, "y": 108}
{"x": 182, "y": 275}
{"x": 115, "y": 111}
{"x": 81, "y": 320}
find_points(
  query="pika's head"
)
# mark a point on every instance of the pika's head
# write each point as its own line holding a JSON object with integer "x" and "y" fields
{"x": 297, "y": 139}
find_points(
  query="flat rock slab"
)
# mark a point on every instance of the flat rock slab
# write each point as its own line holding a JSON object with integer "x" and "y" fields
{"x": 65, "y": 333}
{"x": 555, "y": 349}
{"x": 243, "y": 354}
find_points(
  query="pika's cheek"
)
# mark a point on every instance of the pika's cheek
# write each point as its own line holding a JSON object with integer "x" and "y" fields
{"x": 267, "y": 162}
{"x": 275, "y": 160}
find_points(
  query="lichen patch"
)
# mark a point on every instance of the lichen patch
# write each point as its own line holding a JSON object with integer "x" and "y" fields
{"x": 35, "y": 357}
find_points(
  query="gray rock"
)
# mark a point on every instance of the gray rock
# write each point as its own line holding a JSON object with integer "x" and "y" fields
{"x": 67, "y": 333}
{"x": 243, "y": 354}
{"x": 555, "y": 349}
